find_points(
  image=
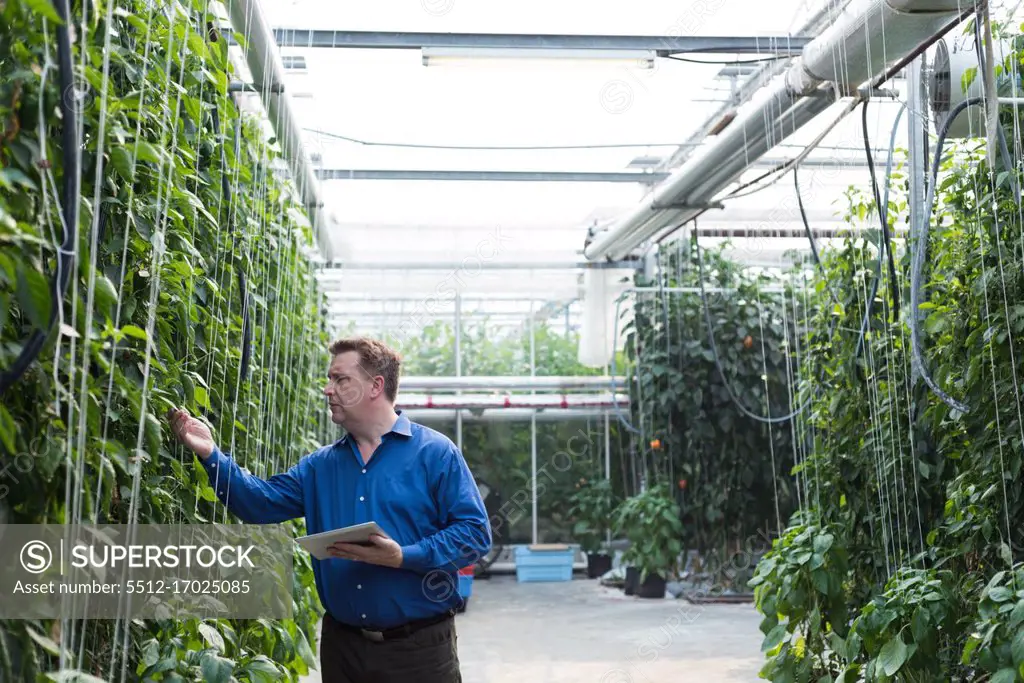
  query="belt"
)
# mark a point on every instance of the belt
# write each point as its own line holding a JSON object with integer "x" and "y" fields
{"x": 397, "y": 632}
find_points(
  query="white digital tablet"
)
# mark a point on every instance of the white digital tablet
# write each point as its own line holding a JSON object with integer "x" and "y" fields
{"x": 317, "y": 544}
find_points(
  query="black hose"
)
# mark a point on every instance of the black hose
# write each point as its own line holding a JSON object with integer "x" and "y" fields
{"x": 883, "y": 212}
{"x": 883, "y": 215}
{"x": 920, "y": 251}
{"x": 69, "y": 211}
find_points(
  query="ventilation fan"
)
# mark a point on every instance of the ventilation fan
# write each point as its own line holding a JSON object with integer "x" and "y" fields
{"x": 954, "y": 57}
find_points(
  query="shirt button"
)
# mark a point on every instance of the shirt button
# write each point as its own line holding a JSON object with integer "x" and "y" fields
{"x": 364, "y": 616}
{"x": 361, "y": 498}
{"x": 364, "y": 471}
{"x": 359, "y": 586}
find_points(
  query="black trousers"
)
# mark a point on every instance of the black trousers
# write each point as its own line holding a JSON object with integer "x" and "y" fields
{"x": 429, "y": 655}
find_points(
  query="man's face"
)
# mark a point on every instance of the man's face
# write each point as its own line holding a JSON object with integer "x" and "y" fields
{"x": 349, "y": 389}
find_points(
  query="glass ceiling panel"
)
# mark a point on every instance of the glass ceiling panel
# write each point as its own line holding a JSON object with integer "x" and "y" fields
{"x": 390, "y": 99}
{"x": 389, "y": 96}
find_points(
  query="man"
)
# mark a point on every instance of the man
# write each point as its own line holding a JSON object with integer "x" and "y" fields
{"x": 390, "y": 605}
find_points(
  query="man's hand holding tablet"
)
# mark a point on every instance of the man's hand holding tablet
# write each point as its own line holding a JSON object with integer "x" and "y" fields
{"x": 360, "y": 543}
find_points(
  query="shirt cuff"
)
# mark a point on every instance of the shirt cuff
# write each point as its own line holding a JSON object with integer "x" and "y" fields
{"x": 215, "y": 473}
{"x": 216, "y": 457}
{"x": 414, "y": 557}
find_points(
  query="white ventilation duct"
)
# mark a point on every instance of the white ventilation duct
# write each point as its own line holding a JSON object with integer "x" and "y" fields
{"x": 264, "y": 61}
{"x": 563, "y": 401}
{"x": 598, "y": 326}
{"x": 847, "y": 54}
{"x": 429, "y": 415}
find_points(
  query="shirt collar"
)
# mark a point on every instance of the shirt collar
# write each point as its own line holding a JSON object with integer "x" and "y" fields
{"x": 402, "y": 426}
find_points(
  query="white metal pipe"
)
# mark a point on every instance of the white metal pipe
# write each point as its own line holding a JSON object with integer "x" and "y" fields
{"x": 852, "y": 50}
{"x": 503, "y": 415}
{"x": 608, "y": 460}
{"x": 502, "y": 383}
{"x": 458, "y": 363}
{"x": 450, "y": 401}
{"x": 264, "y": 62}
{"x": 697, "y": 182}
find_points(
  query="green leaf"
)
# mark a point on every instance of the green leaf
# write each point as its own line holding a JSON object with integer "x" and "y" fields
{"x": 1005, "y": 675}
{"x": 121, "y": 160}
{"x": 819, "y": 578}
{"x": 893, "y": 656}
{"x": 133, "y": 331}
{"x": 45, "y": 8}
{"x": 8, "y": 429}
{"x": 1017, "y": 616}
{"x": 304, "y": 650}
{"x": 106, "y": 295}
{"x": 823, "y": 543}
{"x": 212, "y": 637}
{"x": 1017, "y": 649}
{"x": 202, "y": 397}
{"x": 34, "y": 295}
{"x": 216, "y": 669}
{"x": 774, "y": 637}
{"x": 42, "y": 641}
{"x": 1000, "y": 594}
{"x": 145, "y": 151}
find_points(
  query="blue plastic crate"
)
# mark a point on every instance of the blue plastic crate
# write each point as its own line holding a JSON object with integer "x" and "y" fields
{"x": 543, "y": 565}
{"x": 465, "y": 586}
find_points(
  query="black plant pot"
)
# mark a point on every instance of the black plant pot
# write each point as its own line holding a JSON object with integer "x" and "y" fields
{"x": 653, "y": 587}
{"x": 632, "y": 579}
{"x": 598, "y": 564}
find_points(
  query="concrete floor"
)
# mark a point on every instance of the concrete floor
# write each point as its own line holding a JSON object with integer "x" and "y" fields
{"x": 580, "y": 632}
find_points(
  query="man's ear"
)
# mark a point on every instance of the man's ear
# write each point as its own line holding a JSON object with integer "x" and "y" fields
{"x": 378, "y": 386}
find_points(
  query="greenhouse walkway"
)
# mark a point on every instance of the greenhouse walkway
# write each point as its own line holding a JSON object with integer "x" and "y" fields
{"x": 581, "y": 632}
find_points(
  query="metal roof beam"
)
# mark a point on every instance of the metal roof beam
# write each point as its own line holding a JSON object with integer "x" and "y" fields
{"x": 784, "y": 46}
{"x": 492, "y": 176}
{"x": 646, "y": 178}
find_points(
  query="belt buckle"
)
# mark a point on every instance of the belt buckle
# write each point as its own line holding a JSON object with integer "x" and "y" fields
{"x": 375, "y": 636}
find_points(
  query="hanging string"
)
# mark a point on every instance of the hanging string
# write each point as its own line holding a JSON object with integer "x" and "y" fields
{"x": 163, "y": 197}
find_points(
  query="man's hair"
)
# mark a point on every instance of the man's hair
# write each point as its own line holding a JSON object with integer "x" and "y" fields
{"x": 376, "y": 358}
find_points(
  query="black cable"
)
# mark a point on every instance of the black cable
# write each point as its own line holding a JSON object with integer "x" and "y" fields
{"x": 69, "y": 211}
{"x": 732, "y": 62}
{"x": 883, "y": 209}
{"x": 807, "y": 228}
{"x": 883, "y": 215}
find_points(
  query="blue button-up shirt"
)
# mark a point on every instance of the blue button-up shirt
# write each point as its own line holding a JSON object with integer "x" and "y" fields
{"x": 416, "y": 486}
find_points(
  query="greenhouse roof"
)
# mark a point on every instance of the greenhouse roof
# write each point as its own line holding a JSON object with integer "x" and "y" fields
{"x": 387, "y": 114}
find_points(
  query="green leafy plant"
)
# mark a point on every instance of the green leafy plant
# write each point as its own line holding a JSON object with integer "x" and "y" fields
{"x": 650, "y": 521}
{"x": 799, "y": 588}
{"x": 996, "y": 642}
{"x": 690, "y": 431}
{"x": 923, "y": 495}
{"x": 192, "y": 287}
{"x": 593, "y": 507}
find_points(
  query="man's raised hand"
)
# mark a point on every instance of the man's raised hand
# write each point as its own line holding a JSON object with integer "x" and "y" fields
{"x": 193, "y": 433}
